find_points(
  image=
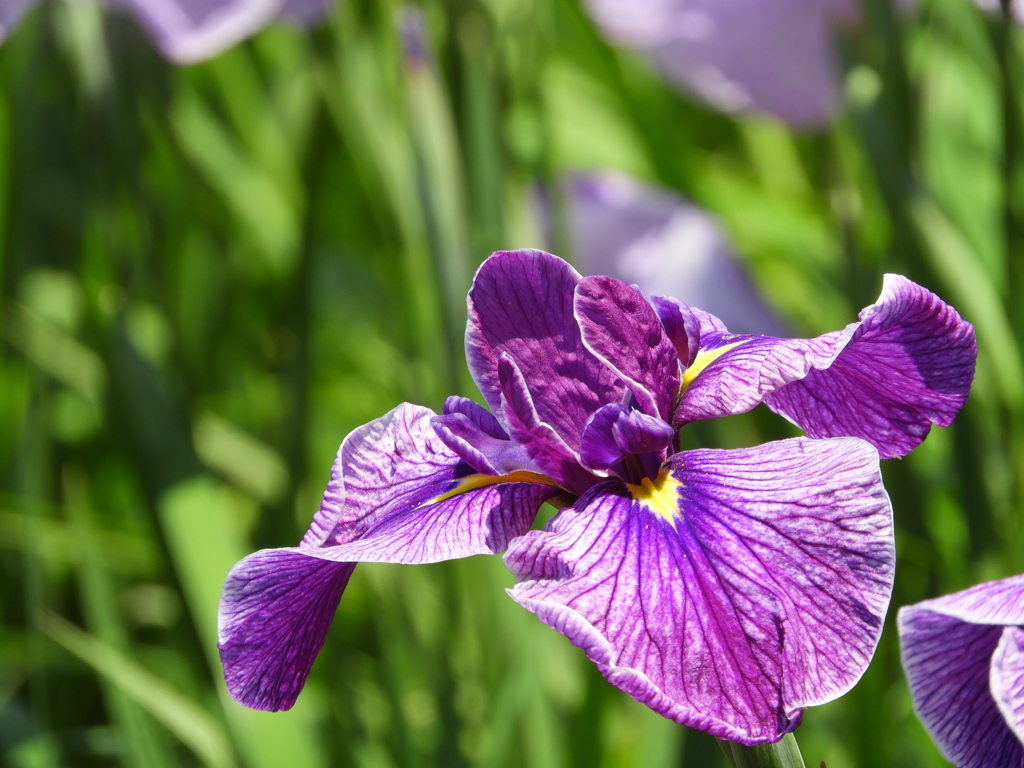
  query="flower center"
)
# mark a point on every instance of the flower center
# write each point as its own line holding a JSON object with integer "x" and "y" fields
{"x": 660, "y": 496}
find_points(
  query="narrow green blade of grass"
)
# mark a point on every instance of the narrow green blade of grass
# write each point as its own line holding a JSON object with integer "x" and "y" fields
{"x": 180, "y": 715}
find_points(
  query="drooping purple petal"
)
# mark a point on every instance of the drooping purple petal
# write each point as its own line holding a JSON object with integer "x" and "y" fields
{"x": 907, "y": 364}
{"x": 623, "y": 331}
{"x": 396, "y": 494}
{"x": 956, "y": 655}
{"x": 615, "y": 431}
{"x": 187, "y": 31}
{"x": 664, "y": 244}
{"x": 680, "y": 326}
{"x": 275, "y": 610}
{"x": 773, "y": 56}
{"x": 545, "y": 447}
{"x": 521, "y": 304}
{"x": 729, "y": 593}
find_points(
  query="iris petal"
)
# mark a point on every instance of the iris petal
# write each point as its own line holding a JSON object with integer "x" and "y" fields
{"x": 622, "y": 330}
{"x": 729, "y": 593}
{"x": 397, "y": 494}
{"x": 521, "y": 304}
{"x": 961, "y": 656}
{"x": 906, "y": 365}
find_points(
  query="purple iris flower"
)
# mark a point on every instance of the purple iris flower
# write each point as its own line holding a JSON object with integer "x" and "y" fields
{"x": 187, "y": 31}
{"x": 725, "y": 589}
{"x": 774, "y": 56}
{"x": 964, "y": 659}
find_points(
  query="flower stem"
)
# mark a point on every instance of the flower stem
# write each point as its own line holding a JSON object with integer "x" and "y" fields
{"x": 782, "y": 754}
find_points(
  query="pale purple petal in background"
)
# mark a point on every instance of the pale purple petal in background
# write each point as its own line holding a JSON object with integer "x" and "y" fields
{"x": 962, "y": 658}
{"x": 11, "y": 12}
{"x": 653, "y": 238}
{"x": 774, "y": 56}
{"x": 187, "y": 31}
{"x": 624, "y": 332}
{"x": 744, "y": 586}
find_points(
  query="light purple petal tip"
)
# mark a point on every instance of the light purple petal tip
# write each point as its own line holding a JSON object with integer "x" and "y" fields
{"x": 624, "y": 332}
{"x": 275, "y": 610}
{"x": 961, "y": 656}
{"x": 773, "y": 56}
{"x": 521, "y": 304}
{"x": 749, "y": 584}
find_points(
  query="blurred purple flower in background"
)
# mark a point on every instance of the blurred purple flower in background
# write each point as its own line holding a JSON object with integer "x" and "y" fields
{"x": 963, "y": 655}
{"x": 655, "y": 239}
{"x": 187, "y": 31}
{"x": 774, "y": 56}
{"x": 725, "y": 589}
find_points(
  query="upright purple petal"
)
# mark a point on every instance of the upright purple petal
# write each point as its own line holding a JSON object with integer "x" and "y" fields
{"x": 958, "y": 652}
{"x": 187, "y": 31}
{"x": 623, "y": 331}
{"x": 397, "y": 494}
{"x": 655, "y": 239}
{"x": 773, "y": 56}
{"x": 521, "y": 304}
{"x": 737, "y": 588}
{"x": 908, "y": 364}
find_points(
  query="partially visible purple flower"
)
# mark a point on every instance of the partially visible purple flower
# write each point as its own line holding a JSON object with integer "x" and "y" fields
{"x": 963, "y": 655}
{"x": 774, "y": 56}
{"x": 726, "y": 590}
{"x": 187, "y": 31}
{"x": 656, "y": 240}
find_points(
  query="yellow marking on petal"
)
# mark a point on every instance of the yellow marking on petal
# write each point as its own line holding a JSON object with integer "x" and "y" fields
{"x": 660, "y": 496}
{"x": 703, "y": 359}
{"x": 473, "y": 482}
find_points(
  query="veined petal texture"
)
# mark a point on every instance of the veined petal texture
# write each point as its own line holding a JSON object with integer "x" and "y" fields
{"x": 737, "y": 588}
{"x": 623, "y": 331}
{"x": 521, "y": 305}
{"x": 907, "y": 364}
{"x": 397, "y": 494}
{"x": 963, "y": 661}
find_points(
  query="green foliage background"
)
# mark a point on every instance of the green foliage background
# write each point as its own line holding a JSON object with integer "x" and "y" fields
{"x": 209, "y": 275}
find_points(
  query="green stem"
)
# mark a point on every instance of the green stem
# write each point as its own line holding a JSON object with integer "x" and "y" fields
{"x": 782, "y": 754}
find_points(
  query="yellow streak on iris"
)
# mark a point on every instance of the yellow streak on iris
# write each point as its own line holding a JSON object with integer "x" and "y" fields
{"x": 473, "y": 482}
{"x": 704, "y": 358}
{"x": 660, "y": 496}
